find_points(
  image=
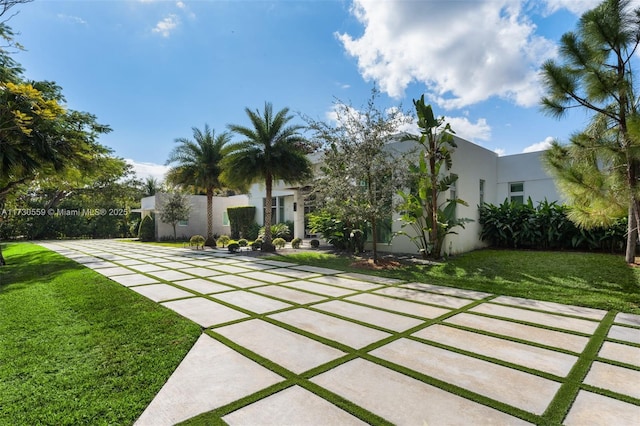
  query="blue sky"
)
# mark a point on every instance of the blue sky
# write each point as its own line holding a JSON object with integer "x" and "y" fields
{"x": 153, "y": 69}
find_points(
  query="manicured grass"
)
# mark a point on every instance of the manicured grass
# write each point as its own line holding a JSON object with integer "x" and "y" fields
{"x": 77, "y": 348}
{"x": 594, "y": 280}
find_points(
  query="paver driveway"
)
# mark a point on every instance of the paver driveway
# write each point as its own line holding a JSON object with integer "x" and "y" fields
{"x": 294, "y": 344}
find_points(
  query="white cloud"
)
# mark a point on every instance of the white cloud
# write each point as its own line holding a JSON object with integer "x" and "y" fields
{"x": 500, "y": 151}
{"x": 144, "y": 170}
{"x": 577, "y": 7}
{"x": 167, "y": 25}
{"x": 540, "y": 146}
{"x": 72, "y": 19}
{"x": 478, "y": 131}
{"x": 463, "y": 51}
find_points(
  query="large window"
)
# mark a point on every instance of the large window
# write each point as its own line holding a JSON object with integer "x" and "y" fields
{"x": 225, "y": 218}
{"x": 516, "y": 192}
{"x": 277, "y": 210}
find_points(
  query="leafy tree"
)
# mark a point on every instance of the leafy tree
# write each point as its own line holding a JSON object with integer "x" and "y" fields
{"x": 199, "y": 165}
{"x": 175, "y": 208}
{"x": 600, "y": 168}
{"x": 150, "y": 186}
{"x": 360, "y": 173}
{"x": 271, "y": 150}
{"x": 422, "y": 208}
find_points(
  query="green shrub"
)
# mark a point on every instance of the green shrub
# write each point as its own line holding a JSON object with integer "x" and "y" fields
{"x": 224, "y": 240}
{"x": 279, "y": 230}
{"x": 295, "y": 243}
{"x": 546, "y": 226}
{"x": 256, "y": 245}
{"x": 147, "y": 231}
{"x": 242, "y": 242}
{"x": 279, "y": 242}
{"x": 241, "y": 219}
{"x": 197, "y": 241}
{"x": 233, "y": 246}
{"x": 340, "y": 234}
{"x": 314, "y": 243}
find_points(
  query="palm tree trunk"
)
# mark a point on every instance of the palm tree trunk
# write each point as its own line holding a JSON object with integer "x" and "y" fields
{"x": 267, "y": 245}
{"x": 209, "y": 213}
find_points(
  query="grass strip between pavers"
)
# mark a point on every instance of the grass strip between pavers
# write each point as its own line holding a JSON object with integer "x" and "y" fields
{"x": 566, "y": 395}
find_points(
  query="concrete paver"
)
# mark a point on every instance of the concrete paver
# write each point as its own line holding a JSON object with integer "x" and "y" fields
{"x": 292, "y": 406}
{"x": 424, "y": 297}
{"x": 322, "y": 289}
{"x": 251, "y": 301}
{"x": 237, "y": 281}
{"x": 469, "y": 294}
{"x": 628, "y": 319}
{"x": 316, "y": 269}
{"x": 516, "y": 353}
{"x": 348, "y": 333}
{"x": 160, "y": 292}
{"x": 557, "y": 308}
{"x": 227, "y": 269}
{"x": 293, "y": 351}
{"x": 147, "y": 267}
{"x": 591, "y": 409}
{"x": 203, "y": 311}
{"x": 133, "y": 279}
{"x": 551, "y": 320}
{"x": 289, "y": 294}
{"x": 201, "y": 272}
{"x": 203, "y": 286}
{"x": 387, "y": 320}
{"x": 170, "y": 275}
{"x": 345, "y": 282}
{"x": 627, "y": 334}
{"x": 618, "y": 379}
{"x": 210, "y": 376}
{"x": 370, "y": 278}
{"x": 266, "y": 277}
{"x": 417, "y": 309}
{"x": 403, "y": 400}
{"x": 115, "y": 270}
{"x": 622, "y": 353}
{"x": 517, "y": 388}
{"x": 556, "y": 339}
{"x": 295, "y": 273}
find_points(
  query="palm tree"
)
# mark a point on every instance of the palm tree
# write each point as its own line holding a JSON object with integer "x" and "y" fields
{"x": 271, "y": 150}
{"x": 199, "y": 165}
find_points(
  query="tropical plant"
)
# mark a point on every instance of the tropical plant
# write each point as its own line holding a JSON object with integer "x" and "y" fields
{"x": 150, "y": 186}
{"x": 279, "y": 230}
{"x": 270, "y": 150}
{"x": 198, "y": 165}
{"x": 600, "y": 168}
{"x": 197, "y": 241}
{"x": 314, "y": 243}
{"x": 430, "y": 219}
{"x": 147, "y": 230}
{"x": 256, "y": 245}
{"x": 242, "y": 242}
{"x": 233, "y": 246}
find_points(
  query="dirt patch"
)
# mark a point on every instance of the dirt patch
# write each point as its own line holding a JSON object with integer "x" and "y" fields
{"x": 382, "y": 265}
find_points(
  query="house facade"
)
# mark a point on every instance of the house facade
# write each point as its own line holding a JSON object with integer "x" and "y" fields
{"x": 483, "y": 177}
{"x": 196, "y": 224}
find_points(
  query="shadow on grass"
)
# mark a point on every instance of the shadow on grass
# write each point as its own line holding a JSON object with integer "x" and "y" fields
{"x": 26, "y": 263}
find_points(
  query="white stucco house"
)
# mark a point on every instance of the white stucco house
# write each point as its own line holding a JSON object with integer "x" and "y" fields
{"x": 197, "y": 222}
{"x": 483, "y": 177}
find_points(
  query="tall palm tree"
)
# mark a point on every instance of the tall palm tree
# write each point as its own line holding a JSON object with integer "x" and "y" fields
{"x": 199, "y": 165}
{"x": 271, "y": 150}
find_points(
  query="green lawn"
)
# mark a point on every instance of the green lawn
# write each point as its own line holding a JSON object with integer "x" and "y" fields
{"x": 77, "y": 348}
{"x": 594, "y": 280}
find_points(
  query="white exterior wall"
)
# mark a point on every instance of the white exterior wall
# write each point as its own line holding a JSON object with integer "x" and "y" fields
{"x": 291, "y": 195}
{"x": 197, "y": 222}
{"x": 526, "y": 168}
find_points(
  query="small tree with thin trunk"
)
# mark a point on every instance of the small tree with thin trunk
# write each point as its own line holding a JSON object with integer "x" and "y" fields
{"x": 360, "y": 172}
{"x": 175, "y": 208}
